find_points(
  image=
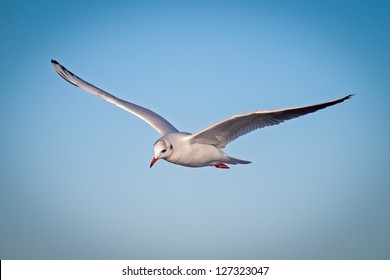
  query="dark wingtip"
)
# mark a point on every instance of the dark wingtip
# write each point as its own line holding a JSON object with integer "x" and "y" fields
{"x": 344, "y": 98}
{"x": 62, "y": 71}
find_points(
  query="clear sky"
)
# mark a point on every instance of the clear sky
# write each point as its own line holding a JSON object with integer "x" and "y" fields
{"x": 74, "y": 170}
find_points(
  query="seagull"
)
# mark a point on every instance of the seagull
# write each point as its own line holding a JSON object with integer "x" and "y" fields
{"x": 204, "y": 147}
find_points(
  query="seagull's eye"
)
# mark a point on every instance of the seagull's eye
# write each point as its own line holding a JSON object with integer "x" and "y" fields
{"x": 163, "y": 151}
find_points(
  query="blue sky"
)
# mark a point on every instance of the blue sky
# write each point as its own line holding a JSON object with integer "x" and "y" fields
{"x": 75, "y": 178}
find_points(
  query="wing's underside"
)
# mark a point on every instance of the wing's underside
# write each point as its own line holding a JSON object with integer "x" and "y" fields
{"x": 222, "y": 133}
{"x": 156, "y": 121}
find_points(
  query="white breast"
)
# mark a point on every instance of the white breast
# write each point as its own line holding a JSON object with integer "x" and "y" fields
{"x": 187, "y": 153}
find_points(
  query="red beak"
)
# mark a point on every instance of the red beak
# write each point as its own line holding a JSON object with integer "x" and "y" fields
{"x": 153, "y": 162}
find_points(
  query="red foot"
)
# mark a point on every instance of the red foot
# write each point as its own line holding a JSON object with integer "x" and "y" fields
{"x": 222, "y": 165}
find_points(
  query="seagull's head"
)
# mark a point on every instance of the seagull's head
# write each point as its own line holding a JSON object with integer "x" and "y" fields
{"x": 162, "y": 149}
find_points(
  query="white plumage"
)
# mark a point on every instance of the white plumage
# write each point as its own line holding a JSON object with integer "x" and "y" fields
{"x": 202, "y": 148}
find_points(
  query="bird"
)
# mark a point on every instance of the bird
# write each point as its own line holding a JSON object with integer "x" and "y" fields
{"x": 203, "y": 148}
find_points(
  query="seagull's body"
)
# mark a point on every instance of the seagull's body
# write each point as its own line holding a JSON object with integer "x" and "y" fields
{"x": 202, "y": 148}
{"x": 192, "y": 154}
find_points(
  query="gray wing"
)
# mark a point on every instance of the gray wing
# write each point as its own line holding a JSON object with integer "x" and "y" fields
{"x": 222, "y": 133}
{"x": 156, "y": 121}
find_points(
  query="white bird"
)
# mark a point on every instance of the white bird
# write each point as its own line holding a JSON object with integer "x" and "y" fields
{"x": 204, "y": 147}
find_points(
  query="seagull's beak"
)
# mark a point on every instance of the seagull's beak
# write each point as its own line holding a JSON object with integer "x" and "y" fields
{"x": 154, "y": 159}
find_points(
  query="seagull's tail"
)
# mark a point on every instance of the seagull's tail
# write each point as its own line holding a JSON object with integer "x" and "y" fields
{"x": 232, "y": 160}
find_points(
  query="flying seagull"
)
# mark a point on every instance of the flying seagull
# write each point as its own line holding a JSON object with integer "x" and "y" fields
{"x": 204, "y": 147}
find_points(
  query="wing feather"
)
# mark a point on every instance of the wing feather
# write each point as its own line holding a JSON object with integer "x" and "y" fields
{"x": 222, "y": 133}
{"x": 156, "y": 121}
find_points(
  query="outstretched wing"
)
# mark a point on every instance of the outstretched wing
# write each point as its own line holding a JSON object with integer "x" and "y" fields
{"x": 222, "y": 133}
{"x": 156, "y": 121}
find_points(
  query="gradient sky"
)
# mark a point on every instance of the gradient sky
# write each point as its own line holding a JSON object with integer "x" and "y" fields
{"x": 74, "y": 170}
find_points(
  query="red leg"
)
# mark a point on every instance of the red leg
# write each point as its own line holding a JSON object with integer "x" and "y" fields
{"x": 222, "y": 165}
